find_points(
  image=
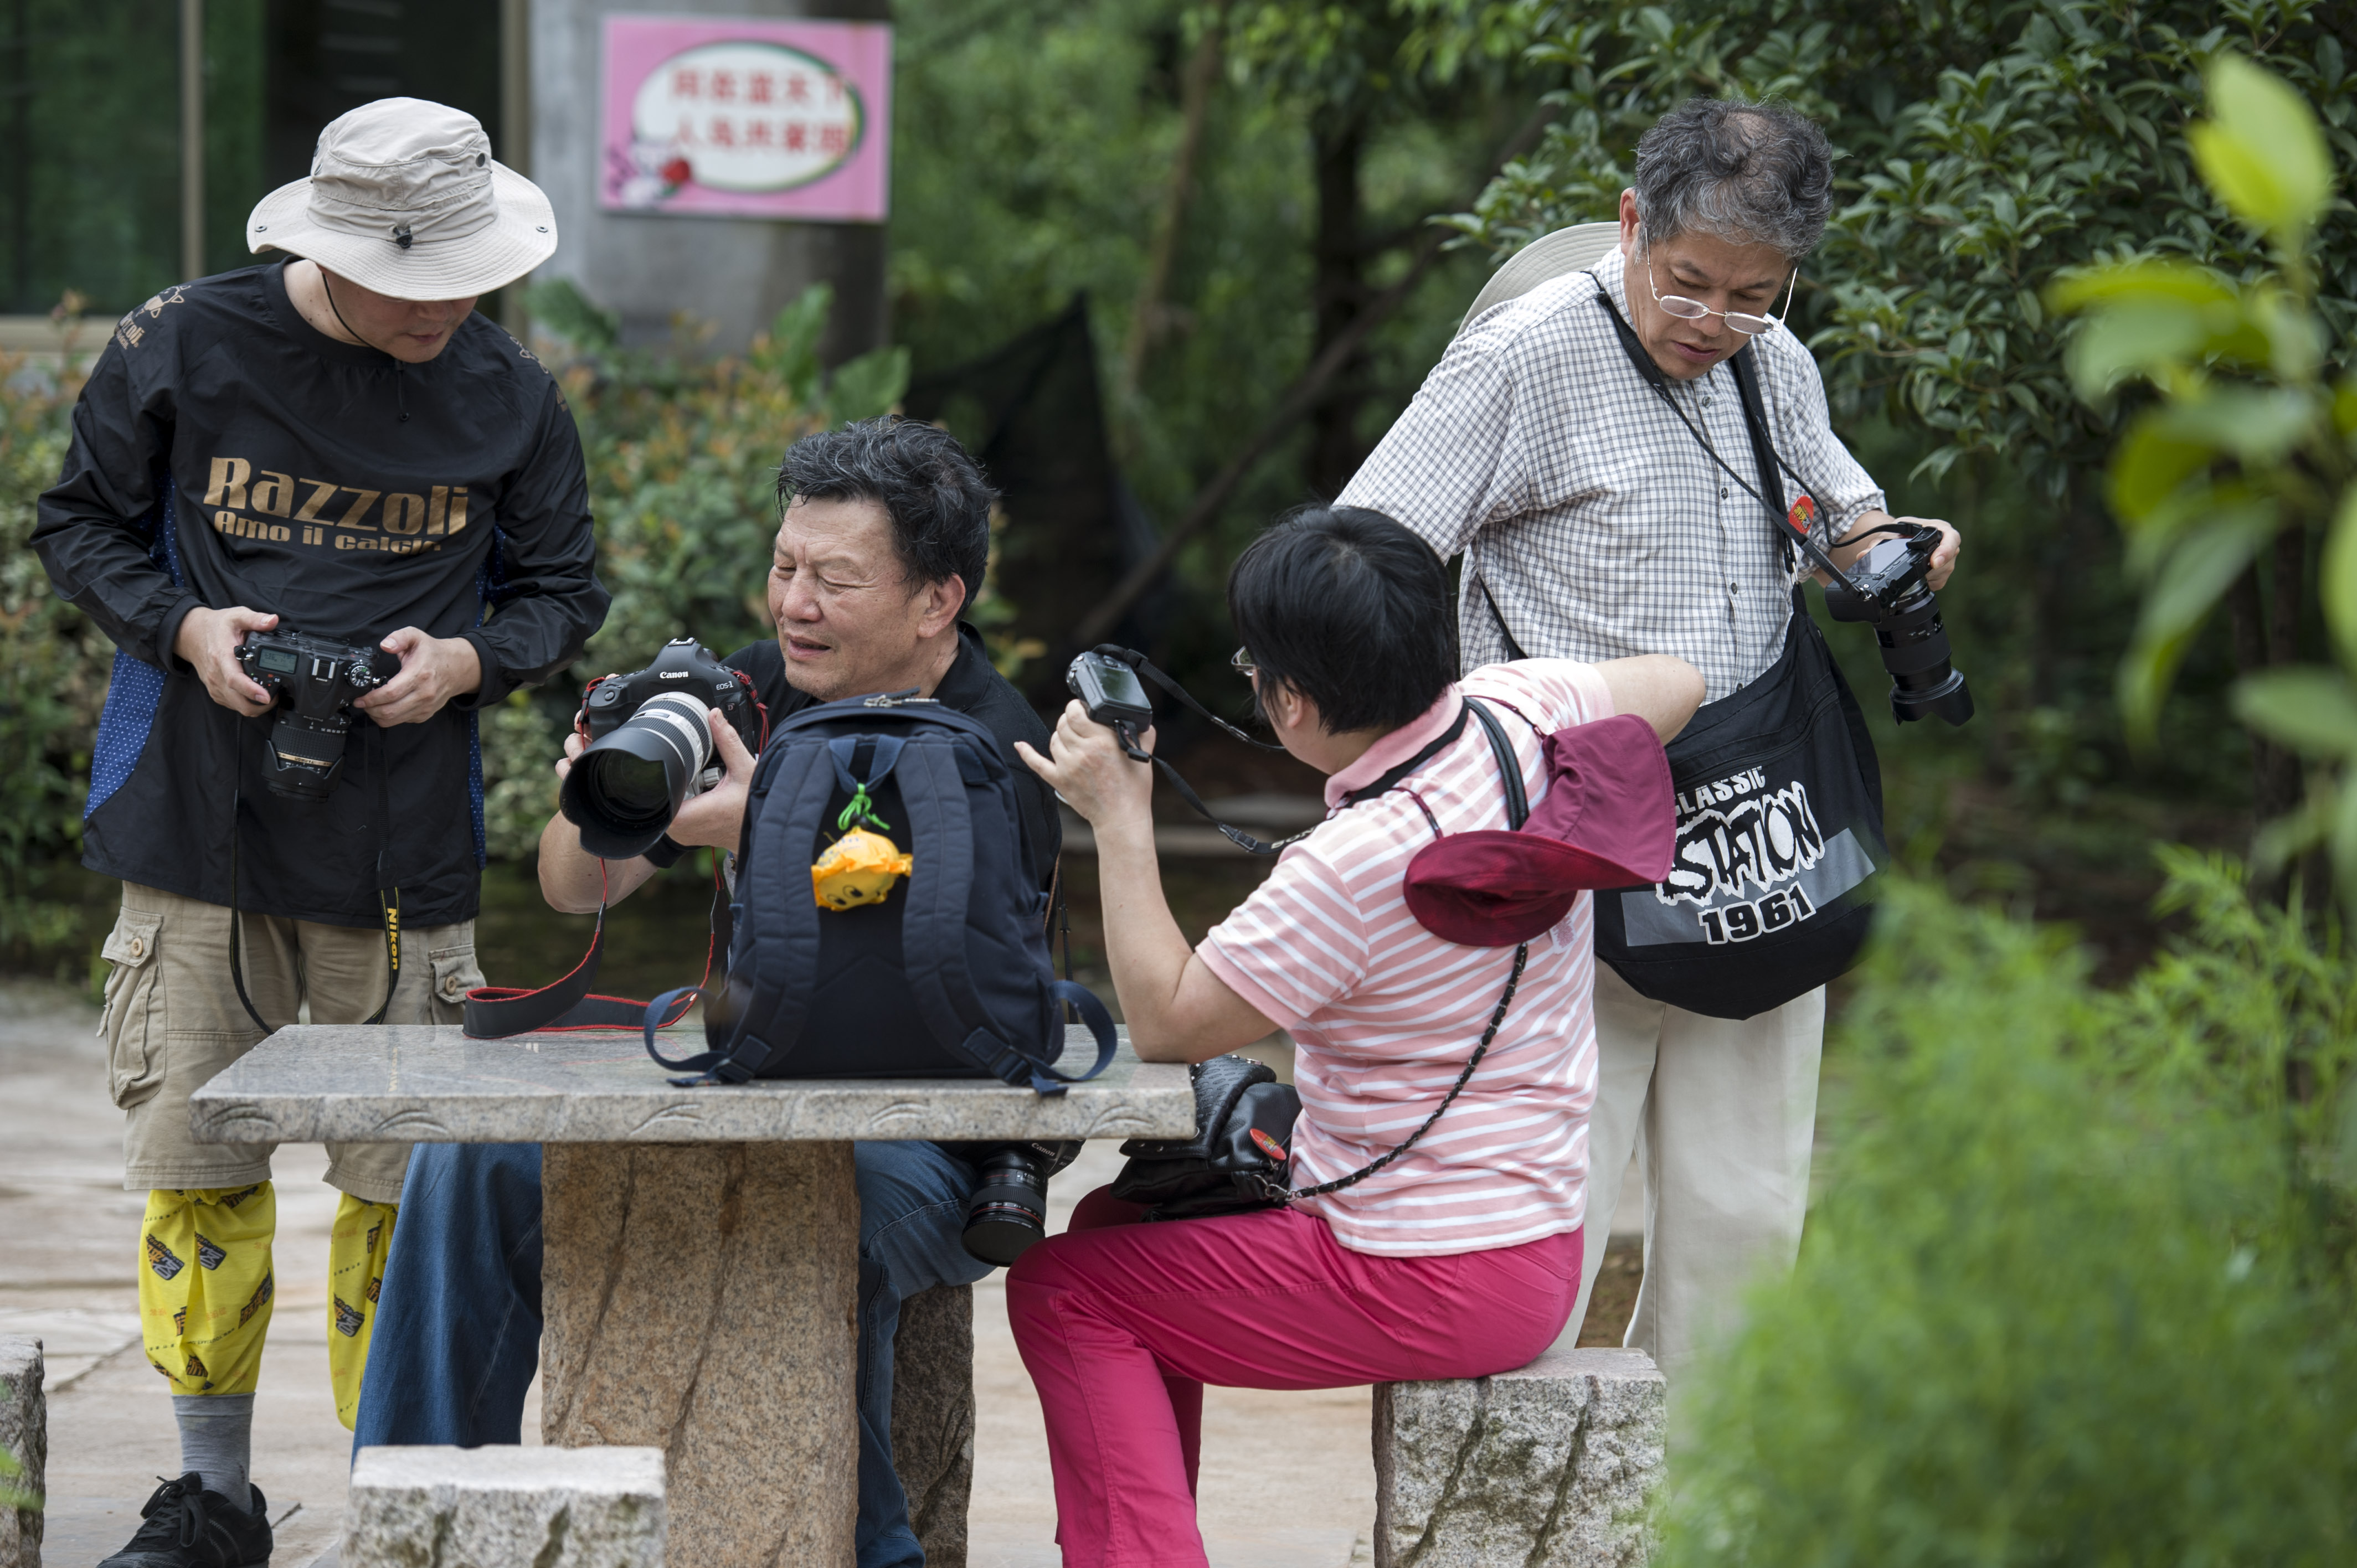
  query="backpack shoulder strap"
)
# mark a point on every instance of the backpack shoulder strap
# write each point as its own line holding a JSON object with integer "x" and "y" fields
{"x": 932, "y": 931}
{"x": 780, "y": 934}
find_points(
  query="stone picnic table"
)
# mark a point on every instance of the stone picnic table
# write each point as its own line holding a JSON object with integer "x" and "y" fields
{"x": 700, "y": 1284}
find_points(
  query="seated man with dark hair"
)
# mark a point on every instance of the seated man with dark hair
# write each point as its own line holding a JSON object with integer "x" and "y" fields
{"x": 883, "y": 538}
{"x": 1456, "y": 1258}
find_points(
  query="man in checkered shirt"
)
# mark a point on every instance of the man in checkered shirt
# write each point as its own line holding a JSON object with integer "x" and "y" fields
{"x": 1595, "y": 524}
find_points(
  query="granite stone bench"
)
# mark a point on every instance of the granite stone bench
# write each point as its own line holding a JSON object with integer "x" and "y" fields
{"x": 1544, "y": 1468}
{"x": 25, "y": 1438}
{"x": 503, "y": 1507}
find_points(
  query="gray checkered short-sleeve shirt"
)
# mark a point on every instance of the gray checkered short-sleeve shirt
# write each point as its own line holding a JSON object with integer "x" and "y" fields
{"x": 1597, "y": 525}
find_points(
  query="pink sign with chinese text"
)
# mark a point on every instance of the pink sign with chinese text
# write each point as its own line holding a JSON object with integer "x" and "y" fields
{"x": 747, "y": 117}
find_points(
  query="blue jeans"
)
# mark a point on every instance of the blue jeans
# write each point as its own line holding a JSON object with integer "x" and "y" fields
{"x": 456, "y": 1339}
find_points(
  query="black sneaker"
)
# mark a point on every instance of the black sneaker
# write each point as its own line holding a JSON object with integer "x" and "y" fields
{"x": 188, "y": 1527}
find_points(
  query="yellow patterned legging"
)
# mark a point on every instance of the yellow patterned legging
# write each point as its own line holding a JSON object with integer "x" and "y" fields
{"x": 206, "y": 1284}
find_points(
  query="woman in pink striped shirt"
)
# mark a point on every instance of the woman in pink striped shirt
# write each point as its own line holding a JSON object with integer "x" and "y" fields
{"x": 1460, "y": 1258}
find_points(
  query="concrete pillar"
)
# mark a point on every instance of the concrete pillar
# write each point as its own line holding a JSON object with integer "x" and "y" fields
{"x": 25, "y": 1438}
{"x": 1550, "y": 1466}
{"x": 699, "y": 1298}
{"x": 736, "y": 272}
{"x": 932, "y": 1418}
{"x": 502, "y": 1507}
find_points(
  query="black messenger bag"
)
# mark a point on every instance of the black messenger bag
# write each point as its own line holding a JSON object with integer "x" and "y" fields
{"x": 1779, "y": 801}
{"x": 1779, "y": 836}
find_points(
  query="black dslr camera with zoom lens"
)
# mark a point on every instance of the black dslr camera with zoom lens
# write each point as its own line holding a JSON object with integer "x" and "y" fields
{"x": 1885, "y": 588}
{"x": 312, "y": 683}
{"x": 1009, "y": 1210}
{"x": 650, "y": 748}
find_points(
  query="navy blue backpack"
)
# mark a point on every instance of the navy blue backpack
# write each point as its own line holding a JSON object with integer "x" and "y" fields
{"x": 948, "y": 976}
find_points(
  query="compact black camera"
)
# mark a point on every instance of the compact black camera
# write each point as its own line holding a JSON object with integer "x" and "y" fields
{"x": 312, "y": 682}
{"x": 1115, "y": 697}
{"x": 650, "y": 748}
{"x": 1111, "y": 692}
{"x": 1890, "y": 596}
{"x": 1009, "y": 1211}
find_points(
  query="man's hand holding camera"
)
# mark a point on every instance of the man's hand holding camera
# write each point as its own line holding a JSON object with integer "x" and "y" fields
{"x": 715, "y": 817}
{"x": 1862, "y": 537}
{"x": 434, "y": 669}
{"x": 208, "y": 642}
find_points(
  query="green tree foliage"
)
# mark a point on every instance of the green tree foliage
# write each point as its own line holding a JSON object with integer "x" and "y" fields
{"x": 1034, "y": 147}
{"x": 2078, "y": 1291}
{"x": 2253, "y": 435}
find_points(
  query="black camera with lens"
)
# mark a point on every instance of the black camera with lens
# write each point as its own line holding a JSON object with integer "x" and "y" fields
{"x": 1886, "y": 591}
{"x": 650, "y": 748}
{"x": 1009, "y": 1211}
{"x": 313, "y": 683}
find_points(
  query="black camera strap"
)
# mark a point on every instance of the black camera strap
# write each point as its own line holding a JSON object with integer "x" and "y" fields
{"x": 1235, "y": 835}
{"x": 1791, "y": 535}
{"x": 388, "y": 897}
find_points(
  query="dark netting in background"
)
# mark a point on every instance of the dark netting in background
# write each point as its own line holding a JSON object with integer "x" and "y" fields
{"x": 1031, "y": 411}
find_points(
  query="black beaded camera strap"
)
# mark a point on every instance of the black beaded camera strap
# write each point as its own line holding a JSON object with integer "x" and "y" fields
{"x": 1518, "y": 812}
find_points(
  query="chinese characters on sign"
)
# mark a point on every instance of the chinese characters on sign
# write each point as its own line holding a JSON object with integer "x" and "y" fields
{"x": 746, "y": 117}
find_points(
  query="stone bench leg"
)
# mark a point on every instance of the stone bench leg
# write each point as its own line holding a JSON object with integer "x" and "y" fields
{"x": 933, "y": 1417}
{"x": 25, "y": 1438}
{"x": 700, "y": 1298}
{"x": 501, "y": 1508}
{"x": 1549, "y": 1466}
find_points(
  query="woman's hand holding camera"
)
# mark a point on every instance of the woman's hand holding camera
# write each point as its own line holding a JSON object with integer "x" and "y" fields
{"x": 1092, "y": 775}
{"x": 208, "y": 642}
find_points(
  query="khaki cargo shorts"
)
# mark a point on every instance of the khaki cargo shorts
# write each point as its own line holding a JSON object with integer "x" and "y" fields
{"x": 173, "y": 1020}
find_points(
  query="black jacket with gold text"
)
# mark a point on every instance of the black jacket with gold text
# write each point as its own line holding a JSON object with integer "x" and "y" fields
{"x": 225, "y": 453}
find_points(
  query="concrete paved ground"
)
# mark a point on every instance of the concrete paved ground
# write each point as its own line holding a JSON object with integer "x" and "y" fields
{"x": 1287, "y": 1478}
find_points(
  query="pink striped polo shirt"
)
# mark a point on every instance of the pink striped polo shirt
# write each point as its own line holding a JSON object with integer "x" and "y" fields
{"x": 1384, "y": 1014}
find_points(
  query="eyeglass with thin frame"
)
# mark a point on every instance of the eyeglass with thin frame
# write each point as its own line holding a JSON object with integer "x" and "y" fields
{"x": 1743, "y": 321}
{"x": 1241, "y": 661}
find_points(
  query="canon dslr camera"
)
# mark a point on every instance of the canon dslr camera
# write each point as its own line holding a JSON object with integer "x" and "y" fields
{"x": 1891, "y": 597}
{"x": 1009, "y": 1211}
{"x": 650, "y": 748}
{"x": 312, "y": 683}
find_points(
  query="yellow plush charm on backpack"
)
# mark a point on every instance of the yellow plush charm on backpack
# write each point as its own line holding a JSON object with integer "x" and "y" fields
{"x": 858, "y": 869}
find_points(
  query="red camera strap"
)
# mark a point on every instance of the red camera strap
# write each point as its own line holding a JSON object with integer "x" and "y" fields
{"x": 498, "y": 1012}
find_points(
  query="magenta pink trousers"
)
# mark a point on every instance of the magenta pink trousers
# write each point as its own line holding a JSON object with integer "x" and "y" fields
{"x": 1122, "y": 1324}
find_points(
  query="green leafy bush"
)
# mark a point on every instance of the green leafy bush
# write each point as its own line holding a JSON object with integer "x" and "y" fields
{"x": 2078, "y": 1291}
{"x": 53, "y": 673}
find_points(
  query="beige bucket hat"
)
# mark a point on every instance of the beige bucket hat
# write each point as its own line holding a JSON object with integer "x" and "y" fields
{"x": 404, "y": 197}
{"x": 1572, "y": 250}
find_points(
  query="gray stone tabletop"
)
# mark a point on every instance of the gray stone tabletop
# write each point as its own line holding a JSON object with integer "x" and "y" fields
{"x": 430, "y": 1084}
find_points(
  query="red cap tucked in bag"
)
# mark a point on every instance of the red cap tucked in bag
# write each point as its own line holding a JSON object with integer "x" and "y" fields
{"x": 1607, "y": 821}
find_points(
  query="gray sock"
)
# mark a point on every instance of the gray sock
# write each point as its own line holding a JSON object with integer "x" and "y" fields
{"x": 217, "y": 1442}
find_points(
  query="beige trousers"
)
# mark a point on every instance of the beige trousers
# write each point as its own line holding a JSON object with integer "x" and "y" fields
{"x": 173, "y": 1021}
{"x": 1721, "y": 1114}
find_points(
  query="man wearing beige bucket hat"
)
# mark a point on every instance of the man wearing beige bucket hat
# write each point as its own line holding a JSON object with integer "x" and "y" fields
{"x": 333, "y": 446}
